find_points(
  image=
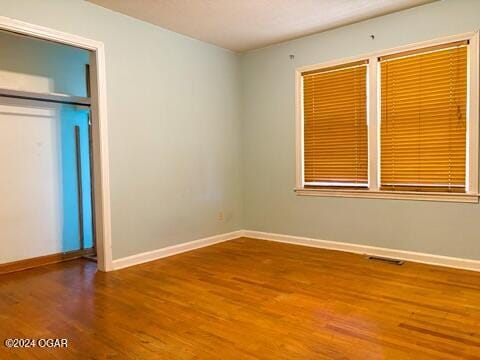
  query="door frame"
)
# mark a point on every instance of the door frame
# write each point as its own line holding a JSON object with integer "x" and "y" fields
{"x": 101, "y": 176}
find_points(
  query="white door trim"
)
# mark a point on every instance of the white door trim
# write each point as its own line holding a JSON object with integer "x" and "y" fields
{"x": 99, "y": 126}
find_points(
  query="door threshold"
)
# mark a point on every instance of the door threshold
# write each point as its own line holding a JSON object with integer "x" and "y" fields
{"x": 44, "y": 260}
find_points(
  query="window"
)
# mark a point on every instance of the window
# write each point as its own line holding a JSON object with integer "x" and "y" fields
{"x": 394, "y": 124}
{"x": 423, "y": 120}
{"x": 335, "y": 125}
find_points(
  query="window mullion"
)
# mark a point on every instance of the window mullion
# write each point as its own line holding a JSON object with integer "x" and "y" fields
{"x": 373, "y": 103}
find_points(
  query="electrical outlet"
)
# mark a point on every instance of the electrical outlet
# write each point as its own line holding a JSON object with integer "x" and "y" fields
{"x": 220, "y": 216}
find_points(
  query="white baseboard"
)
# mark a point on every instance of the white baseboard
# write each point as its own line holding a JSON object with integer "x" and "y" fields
{"x": 173, "y": 250}
{"x": 458, "y": 263}
{"x": 452, "y": 262}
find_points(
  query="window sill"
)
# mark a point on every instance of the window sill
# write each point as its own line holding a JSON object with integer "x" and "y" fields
{"x": 393, "y": 195}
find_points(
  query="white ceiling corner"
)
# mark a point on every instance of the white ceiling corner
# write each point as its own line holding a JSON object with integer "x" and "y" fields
{"x": 242, "y": 25}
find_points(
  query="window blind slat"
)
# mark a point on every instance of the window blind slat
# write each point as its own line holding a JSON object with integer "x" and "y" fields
{"x": 335, "y": 125}
{"x": 423, "y": 121}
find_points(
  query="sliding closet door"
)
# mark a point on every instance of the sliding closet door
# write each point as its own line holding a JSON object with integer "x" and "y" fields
{"x": 77, "y": 228}
{"x": 45, "y": 186}
{"x": 30, "y": 181}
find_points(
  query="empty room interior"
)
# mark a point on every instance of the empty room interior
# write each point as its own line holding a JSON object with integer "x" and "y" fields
{"x": 239, "y": 179}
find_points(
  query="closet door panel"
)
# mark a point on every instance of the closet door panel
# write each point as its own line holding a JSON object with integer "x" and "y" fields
{"x": 30, "y": 181}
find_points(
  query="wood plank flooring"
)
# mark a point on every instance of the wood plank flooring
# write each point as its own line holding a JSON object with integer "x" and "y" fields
{"x": 245, "y": 299}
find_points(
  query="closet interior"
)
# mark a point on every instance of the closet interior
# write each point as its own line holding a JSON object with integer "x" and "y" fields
{"x": 46, "y": 211}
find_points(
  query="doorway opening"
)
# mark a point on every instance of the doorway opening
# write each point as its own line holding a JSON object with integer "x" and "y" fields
{"x": 54, "y": 155}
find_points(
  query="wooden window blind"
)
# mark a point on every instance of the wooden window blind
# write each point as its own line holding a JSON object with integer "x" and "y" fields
{"x": 423, "y": 120}
{"x": 335, "y": 126}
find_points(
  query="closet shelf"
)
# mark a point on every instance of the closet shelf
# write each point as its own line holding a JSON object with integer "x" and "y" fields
{"x": 49, "y": 97}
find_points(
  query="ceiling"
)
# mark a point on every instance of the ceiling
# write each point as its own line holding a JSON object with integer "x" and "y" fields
{"x": 242, "y": 25}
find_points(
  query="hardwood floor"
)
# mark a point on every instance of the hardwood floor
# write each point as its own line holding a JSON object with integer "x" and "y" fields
{"x": 245, "y": 299}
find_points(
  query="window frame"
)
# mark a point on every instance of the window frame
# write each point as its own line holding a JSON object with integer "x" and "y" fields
{"x": 374, "y": 123}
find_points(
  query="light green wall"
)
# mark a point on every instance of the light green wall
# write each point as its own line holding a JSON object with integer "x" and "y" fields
{"x": 268, "y": 122}
{"x": 173, "y": 107}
